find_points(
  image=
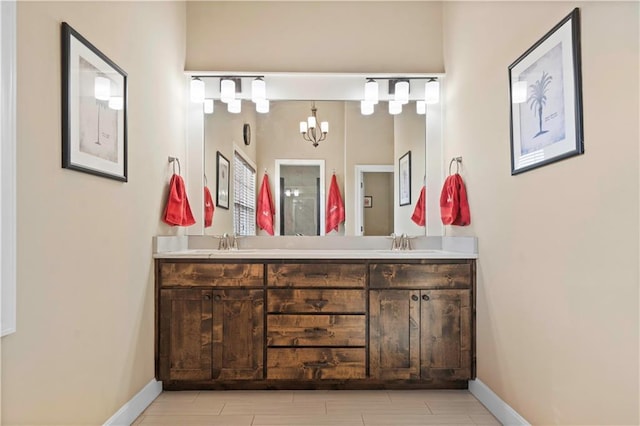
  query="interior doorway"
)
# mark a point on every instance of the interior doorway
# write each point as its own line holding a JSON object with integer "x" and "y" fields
{"x": 374, "y": 201}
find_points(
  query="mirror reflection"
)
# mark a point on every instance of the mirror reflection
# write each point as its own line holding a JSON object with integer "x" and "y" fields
{"x": 362, "y": 151}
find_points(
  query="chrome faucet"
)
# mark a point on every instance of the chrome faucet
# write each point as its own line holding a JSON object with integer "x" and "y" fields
{"x": 227, "y": 242}
{"x": 405, "y": 243}
{"x": 223, "y": 241}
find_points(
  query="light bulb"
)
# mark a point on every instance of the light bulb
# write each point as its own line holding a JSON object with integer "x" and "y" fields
{"x": 311, "y": 122}
{"x": 197, "y": 90}
{"x": 402, "y": 91}
{"x": 324, "y": 127}
{"x": 395, "y": 107}
{"x": 366, "y": 108}
{"x": 371, "y": 91}
{"x": 421, "y": 107}
{"x": 102, "y": 88}
{"x": 432, "y": 92}
{"x": 208, "y": 106}
{"x": 234, "y": 106}
{"x": 303, "y": 127}
{"x": 262, "y": 106}
{"x": 258, "y": 90}
{"x": 519, "y": 94}
{"x": 116, "y": 102}
{"x": 227, "y": 90}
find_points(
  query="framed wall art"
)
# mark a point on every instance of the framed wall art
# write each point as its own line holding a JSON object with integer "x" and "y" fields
{"x": 222, "y": 183}
{"x": 546, "y": 99}
{"x": 94, "y": 109}
{"x": 404, "y": 178}
{"x": 368, "y": 201}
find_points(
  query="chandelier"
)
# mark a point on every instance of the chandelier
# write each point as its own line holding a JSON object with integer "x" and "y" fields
{"x": 309, "y": 128}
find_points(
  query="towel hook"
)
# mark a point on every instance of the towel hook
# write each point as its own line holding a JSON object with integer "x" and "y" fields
{"x": 458, "y": 161}
{"x": 175, "y": 160}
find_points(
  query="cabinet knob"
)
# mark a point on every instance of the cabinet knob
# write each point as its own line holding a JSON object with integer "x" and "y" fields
{"x": 414, "y": 298}
{"x": 425, "y": 297}
{"x": 207, "y": 297}
{"x": 217, "y": 297}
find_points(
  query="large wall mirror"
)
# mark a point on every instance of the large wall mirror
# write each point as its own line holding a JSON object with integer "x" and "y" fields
{"x": 363, "y": 151}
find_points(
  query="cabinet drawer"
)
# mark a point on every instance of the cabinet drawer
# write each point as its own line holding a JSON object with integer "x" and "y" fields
{"x": 316, "y": 301}
{"x": 316, "y": 330}
{"x": 316, "y": 363}
{"x": 211, "y": 274}
{"x": 440, "y": 275}
{"x": 316, "y": 275}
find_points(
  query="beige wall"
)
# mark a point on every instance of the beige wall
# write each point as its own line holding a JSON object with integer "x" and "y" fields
{"x": 409, "y": 135}
{"x": 84, "y": 344}
{"x": 315, "y": 36}
{"x": 369, "y": 142}
{"x": 279, "y": 138}
{"x": 223, "y": 132}
{"x": 558, "y": 269}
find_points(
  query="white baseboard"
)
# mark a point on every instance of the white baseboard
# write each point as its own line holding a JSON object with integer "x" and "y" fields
{"x": 136, "y": 405}
{"x": 500, "y": 409}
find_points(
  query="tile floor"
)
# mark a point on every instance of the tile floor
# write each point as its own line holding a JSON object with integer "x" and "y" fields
{"x": 339, "y": 408}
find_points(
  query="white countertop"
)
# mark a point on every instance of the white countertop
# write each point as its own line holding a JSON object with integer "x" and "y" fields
{"x": 312, "y": 254}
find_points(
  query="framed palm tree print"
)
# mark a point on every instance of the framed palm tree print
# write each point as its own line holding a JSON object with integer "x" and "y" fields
{"x": 546, "y": 99}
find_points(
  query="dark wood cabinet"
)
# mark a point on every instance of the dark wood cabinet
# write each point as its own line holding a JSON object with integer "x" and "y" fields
{"x": 420, "y": 335}
{"x": 209, "y": 332}
{"x": 330, "y": 324}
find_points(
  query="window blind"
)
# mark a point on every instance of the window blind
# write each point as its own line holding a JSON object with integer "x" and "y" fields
{"x": 244, "y": 196}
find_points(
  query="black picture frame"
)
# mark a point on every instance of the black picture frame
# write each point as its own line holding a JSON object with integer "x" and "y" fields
{"x": 94, "y": 121}
{"x": 404, "y": 179}
{"x": 368, "y": 201}
{"x": 223, "y": 171}
{"x": 545, "y": 93}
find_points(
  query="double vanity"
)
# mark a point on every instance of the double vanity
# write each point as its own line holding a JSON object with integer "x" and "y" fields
{"x": 269, "y": 318}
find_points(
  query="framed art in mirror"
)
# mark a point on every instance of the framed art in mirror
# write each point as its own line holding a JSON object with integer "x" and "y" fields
{"x": 94, "y": 109}
{"x": 546, "y": 99}
{"x": 404, "y": 177}
{"x": 222, "y": 183}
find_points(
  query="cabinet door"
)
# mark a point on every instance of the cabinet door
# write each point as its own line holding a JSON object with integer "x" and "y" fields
{"x": 238, "y": 334}
{"x": 185, "y": 335}
{"x": 446, "y": 334}
{"x": 394, "y": 334}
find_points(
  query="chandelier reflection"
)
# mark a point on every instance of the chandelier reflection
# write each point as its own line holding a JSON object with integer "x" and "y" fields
{"x": 309, "y": 129}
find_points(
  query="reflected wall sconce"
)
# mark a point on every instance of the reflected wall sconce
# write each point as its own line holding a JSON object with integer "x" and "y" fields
{"x": 309, "y": 129}
{"x": 519, "y": 94}
{"x": 102, "y": 88}
{"x": 234, "y": 106}
{"x": 398, "y": 94}
{"x": 116, "y": 102}
{"x": 208, "y": 106}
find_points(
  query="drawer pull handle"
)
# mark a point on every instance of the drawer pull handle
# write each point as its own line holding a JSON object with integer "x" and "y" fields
{"x": 425, "y": 297}
{"x": 316, "y": 275}
{"x": 414, "y": 298}
{"x": 317, "y": 303}
{"x": 321, "y": 364}
{"x": 217, "y": 297}
{"x": 317, "y": 330}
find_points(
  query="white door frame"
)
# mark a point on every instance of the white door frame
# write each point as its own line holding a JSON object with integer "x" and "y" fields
{"x": 360, "y": 170}
{"x": 276, "y": 184}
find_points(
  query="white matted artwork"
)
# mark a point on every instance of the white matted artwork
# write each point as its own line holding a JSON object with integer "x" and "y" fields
{"x": 404, "y": 179}
{"x": 546, "y": 99}
{"x": 94, "y": 113}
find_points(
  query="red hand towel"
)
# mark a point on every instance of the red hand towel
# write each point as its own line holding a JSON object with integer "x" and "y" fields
{"x": 335, "y": 207}
{"x": 177, "y": 211}
{"x": 449, "y": 201}
{"x": 454, "y": 205}
{"x": 420, "y": 213}
{"x": 208, "y": 208}
{"x": 265, "y": 210}
{"x": 464, "y": 215}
